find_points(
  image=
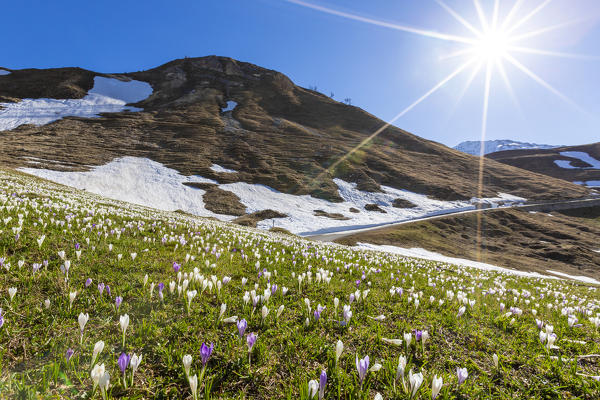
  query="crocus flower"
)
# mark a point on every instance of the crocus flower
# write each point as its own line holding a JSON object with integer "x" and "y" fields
{"x": 118, "y": 301}
{"x": 187, "y": 363}
{"x": 88, "y": 282}
{"x": 98, "y": 347}
{"x": 97, "y": 373}
{"x": 193, "y": 381}
{"x": 101, "y": 288}
{"x": 250, "y": 340}
{"x": 176, "y": 267}
{"x": 416, "y": 380}
{"x": 318, "y": 312}
{"x": 242, "y": 324}
{"x": 135, "y": 363}
{"x": 362, "y": 366}
{"x": 322, "y": 383}
{"x": 123, "y": 362}
{"x": 462, "y": 374}
{"x": 436, "y": 386}
{"x": 313, "y": 388}
{"x": 339, "y": 348}
{"x": 69, "y": 354}
{"x": 82, "y": 319}
{"x": 124, "y": 322}
{"x": 495, "y": 359}
{"x": 205, "y": 352}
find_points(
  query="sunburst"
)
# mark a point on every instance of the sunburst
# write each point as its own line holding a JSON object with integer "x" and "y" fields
{"x": 492, "y": 43}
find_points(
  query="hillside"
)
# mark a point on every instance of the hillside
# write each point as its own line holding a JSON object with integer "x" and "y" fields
{"x": 207, "y": 115}
{"x": 473, "y": 147}
{"x": 103, "y": 299}
{"x": 579, "y": 164}
{"x": 560, "y": 241}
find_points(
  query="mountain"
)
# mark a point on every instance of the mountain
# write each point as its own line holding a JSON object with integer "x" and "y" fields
{"x": 473, "y": 147}
{"x": 217, "y": 137}
{"x": 579, "y": 164}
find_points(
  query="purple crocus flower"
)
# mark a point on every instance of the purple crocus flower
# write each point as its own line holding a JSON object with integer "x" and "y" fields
{"x": 45, "y": 263}
{"x": 1, "y": 318}
{"x": 362, "y": 366}
{"x": 250, "y": 340}
{"x": 205, "y": 353}
{"x": 357, "y": 282}
{"x": 176, "y": 267}
{"x": 322, "y": 383}
{"x": 418, "y": 334}
{"x": 273, "y": 289}
{"x": 462, "y": 374}
{"x": 123, "y": 362}
{"x": 318, "y": 312}
{"x": 77, "y": 246}
{"x": 101, "y": 288}
{"x": 118, "y": 301}
{"x": 88, "y": 282}
{"x": 108, "y": 290}
{"x": 242, "y": 324}
{"x": 69, "y": 354}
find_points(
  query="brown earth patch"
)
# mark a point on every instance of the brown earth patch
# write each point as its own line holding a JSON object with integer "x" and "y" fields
{"x": 403, "y": 203}
{"x": 374, "y": 207}
{"x": 338, "y": 216}
{"x": 255, "y": 217}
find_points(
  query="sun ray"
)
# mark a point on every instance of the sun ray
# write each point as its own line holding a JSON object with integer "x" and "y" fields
{"x": 434, "y": 89}
{"x": 546, "y": 29}
{"x": 466, "y": 87}
{"x": 542, "y": 82}
{"x": 527, "y": 17}
{"x": 481, "y": 14}
{"x": 541, "y": 52}
{"x": 484, "y": 118}
{"x": 404, "y": 28}
{"x": 458, "y": 53}
{"x": 459, "y": 18}
{"x": 508, "y": 85}
{"x": 495, "y": 15}
{"x": 511, "y": 14}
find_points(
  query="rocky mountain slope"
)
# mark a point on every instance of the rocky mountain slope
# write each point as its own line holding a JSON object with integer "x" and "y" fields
{"x": 580, "y": 164}
{"x": 473, "y": 147}
{"x": 215, "y": 120}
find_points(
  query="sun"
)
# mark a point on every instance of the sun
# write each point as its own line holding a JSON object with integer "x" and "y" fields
{"x": 492, "y": 46}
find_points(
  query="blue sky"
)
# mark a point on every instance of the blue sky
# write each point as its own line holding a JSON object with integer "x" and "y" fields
{"x": 383, "y": 70}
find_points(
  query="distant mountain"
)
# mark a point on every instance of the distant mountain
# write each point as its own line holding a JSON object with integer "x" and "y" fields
{"x": 473, "y": 147}
{"x": 217, "y": 137}
{"x": 577, "y": 164}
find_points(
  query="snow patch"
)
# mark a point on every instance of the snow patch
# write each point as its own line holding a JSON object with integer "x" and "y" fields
{"x": 222, "y": 170}
{"x": 473, "y": 147}
{"x": 107, "y": 95}
{"x": 4, "y": 72}
{"x": 580, "y": 278}
{"x": 137, "y": 180}
{"x": 146, "y": 182}
{"x": 580, "y": 155}
{"x": 230, "y": 106}
{"x": 588, "y": 183}
{"x": 432, "y": 256}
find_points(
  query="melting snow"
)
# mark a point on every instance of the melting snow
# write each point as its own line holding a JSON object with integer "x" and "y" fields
{"x": 223, "y": 170}
{"x": 430, "y": 255}
{"x": 580, "y": 155}
{"x": 146, "y": 182}
{"x": 230, "y": 106}
{"x": 4, "y": 72}
{"x": 580, "y": 278}
{"x": 107, "y": 95}
{"x": 588, "y": 183}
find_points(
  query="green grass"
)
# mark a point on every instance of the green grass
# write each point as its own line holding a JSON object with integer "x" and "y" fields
{"x": 288, "y": 353}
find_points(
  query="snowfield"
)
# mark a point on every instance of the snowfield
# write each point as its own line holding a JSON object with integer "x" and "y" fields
{"x": 432, "y": 256}
{"x": 146, "y": 182}
{"x": 588, "y": 183}
{"x": 580, "y": 155}
{"x": 107, "y": 95}
{"x": 4, "y": 72}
